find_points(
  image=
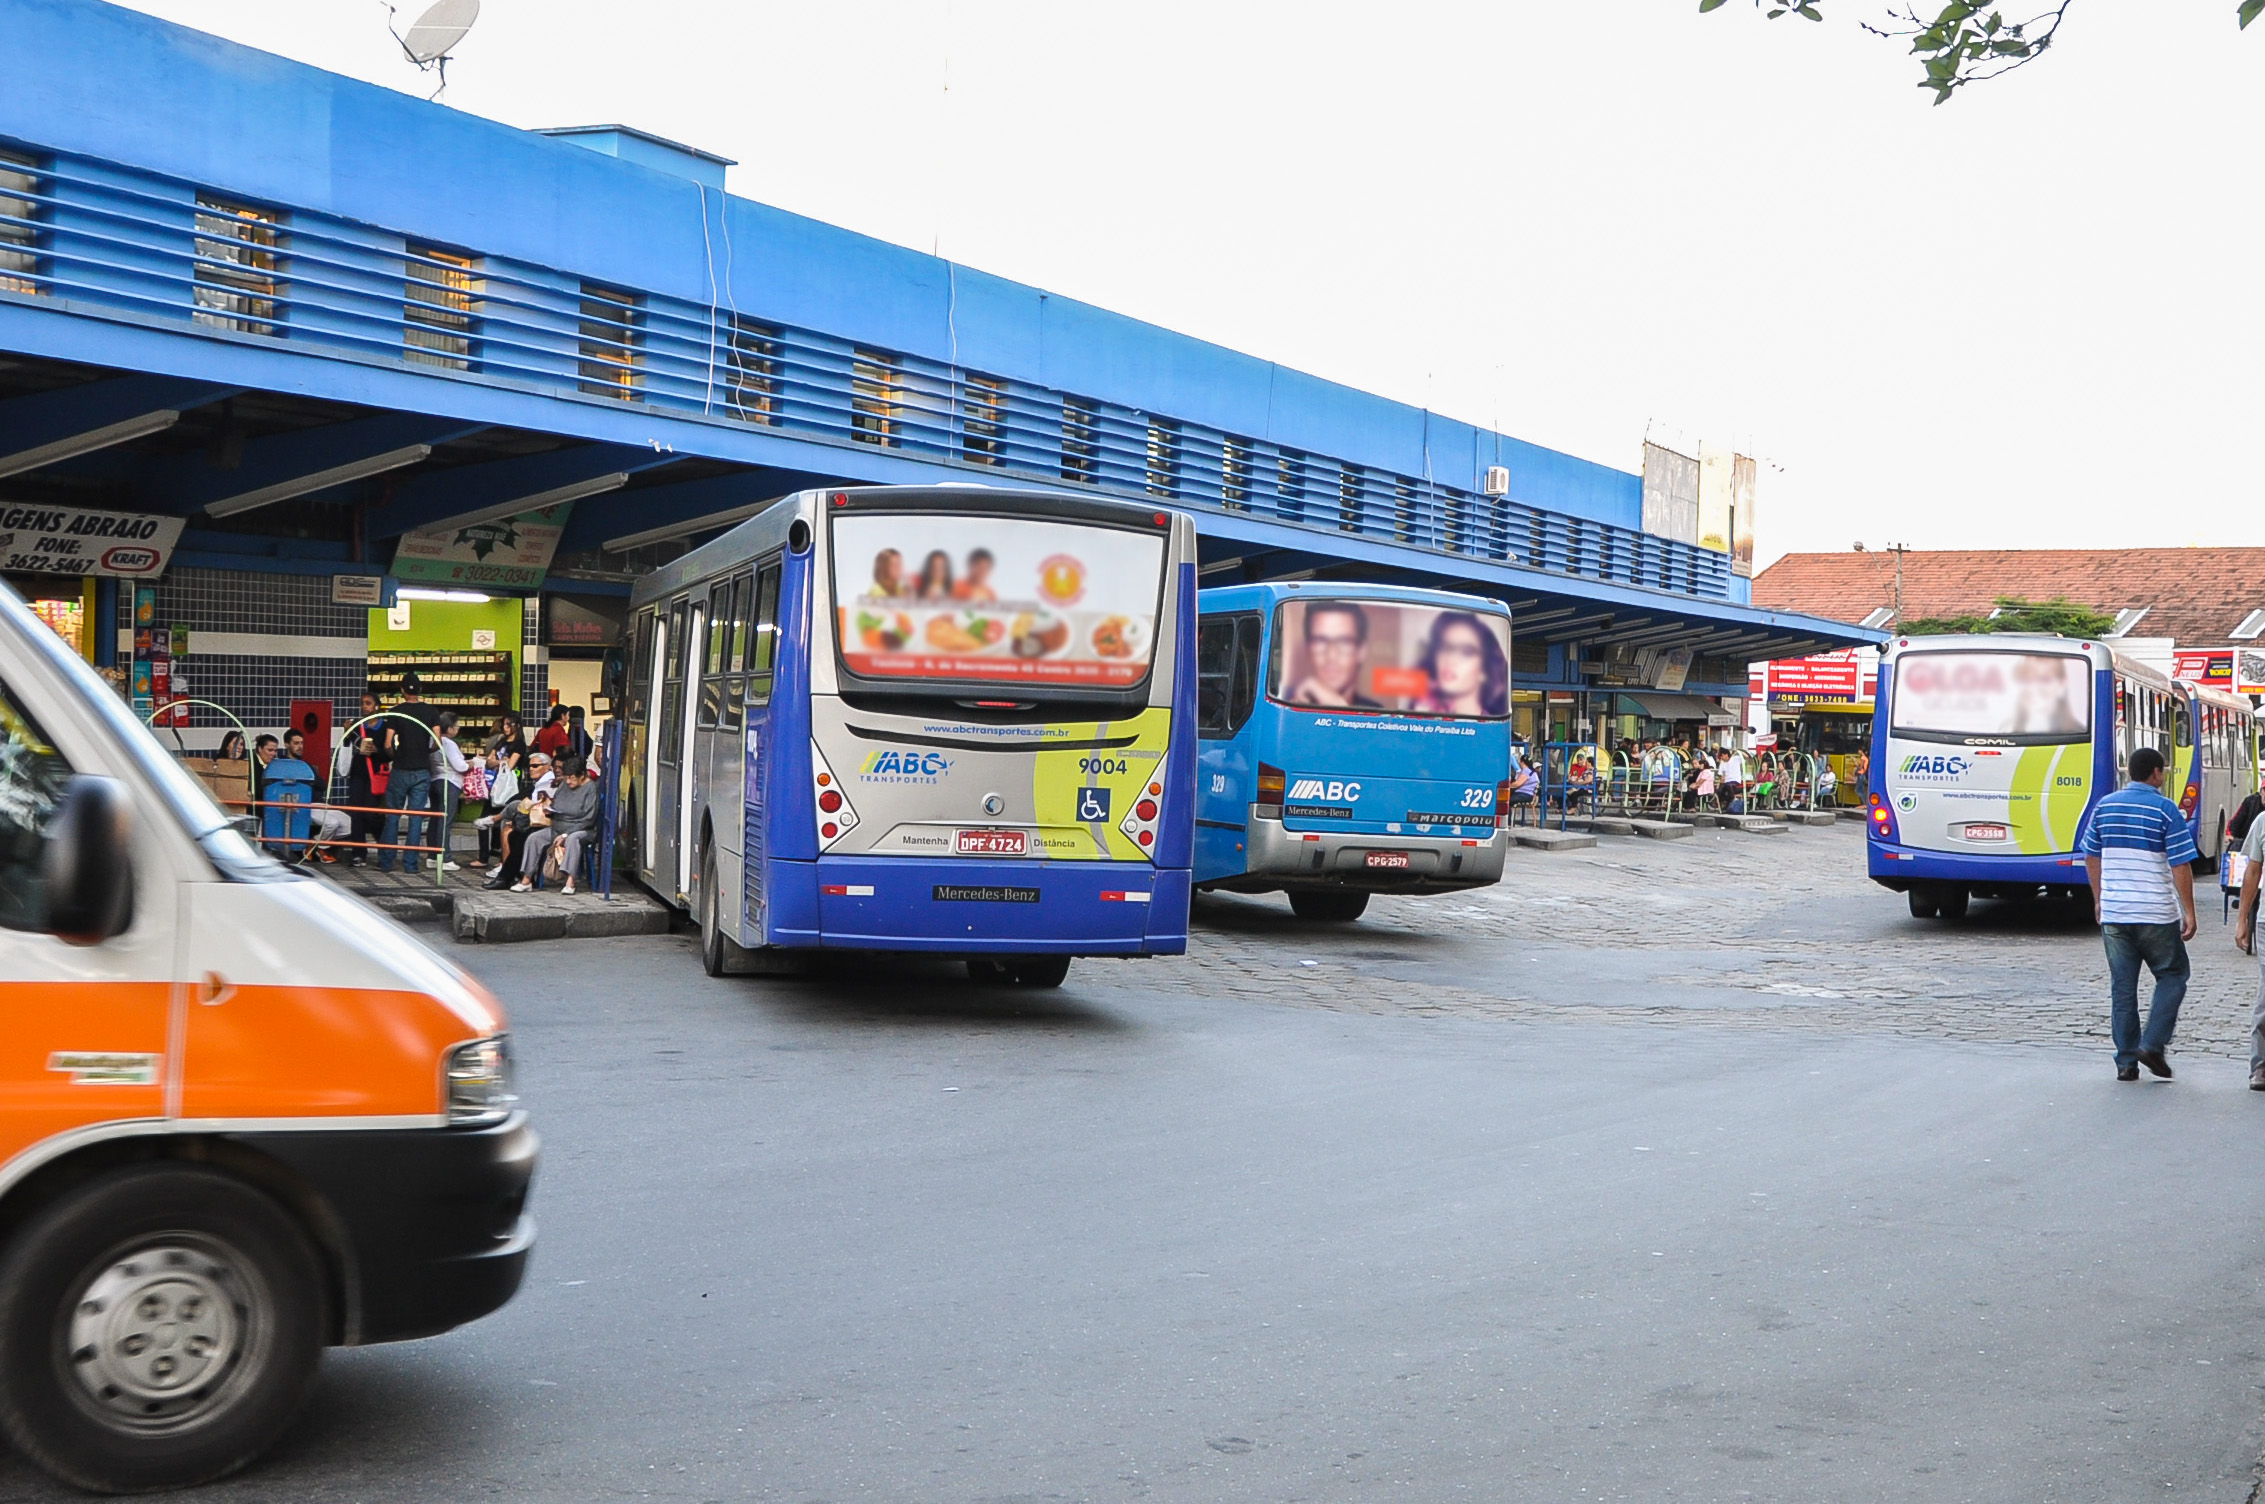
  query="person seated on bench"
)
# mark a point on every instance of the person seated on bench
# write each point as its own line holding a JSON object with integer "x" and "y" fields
{"x": 1525, "y": 783}
{"x": 574, "y": 815}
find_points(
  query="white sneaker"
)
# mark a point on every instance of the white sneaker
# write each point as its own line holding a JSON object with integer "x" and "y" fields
{"x": 523, "y": 886}
{"x": 455, "y": 866}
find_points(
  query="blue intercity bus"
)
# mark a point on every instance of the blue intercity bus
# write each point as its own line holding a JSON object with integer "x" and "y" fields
{"x": 1354, "y": 739}
{"x": 951, "y": 719}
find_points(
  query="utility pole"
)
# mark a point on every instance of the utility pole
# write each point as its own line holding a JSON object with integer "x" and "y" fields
{"x": 1899, "y": 550}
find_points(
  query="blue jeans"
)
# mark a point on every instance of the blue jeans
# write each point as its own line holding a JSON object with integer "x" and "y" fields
{"x": 412, "y": 792}
{"x": 2164, "y": 952}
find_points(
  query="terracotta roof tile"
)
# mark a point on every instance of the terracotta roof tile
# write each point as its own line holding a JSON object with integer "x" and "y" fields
{"x": 2194, "y": 595}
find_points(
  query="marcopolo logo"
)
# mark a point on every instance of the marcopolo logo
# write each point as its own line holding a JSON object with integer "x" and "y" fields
{"x": 1935, "y": 767}
{"x": 1330, "y": 789}
{"x": 893, "y": 766}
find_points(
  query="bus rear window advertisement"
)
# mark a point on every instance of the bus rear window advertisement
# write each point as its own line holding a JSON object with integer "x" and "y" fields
{"x": 996, "y": 600}
{"x": 2013, "y": 697}
{"x": 1392, "y": 658}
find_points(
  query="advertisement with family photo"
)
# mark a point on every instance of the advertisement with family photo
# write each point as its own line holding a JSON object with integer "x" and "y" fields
{"x": 1384, "y": 656}
{"x": 1004, "y": 600}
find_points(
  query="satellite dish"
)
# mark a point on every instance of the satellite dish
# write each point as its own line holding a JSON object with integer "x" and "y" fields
{"x": 440, "y": 28}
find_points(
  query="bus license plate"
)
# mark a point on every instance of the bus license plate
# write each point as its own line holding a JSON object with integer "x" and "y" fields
{"x": 1388, "y": 859}
{"x": 1985, "y": 832}
{"x": 993, "y": 843}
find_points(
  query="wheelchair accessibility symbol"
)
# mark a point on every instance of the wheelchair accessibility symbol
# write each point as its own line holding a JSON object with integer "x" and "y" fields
{"x": 1092, "y": 805}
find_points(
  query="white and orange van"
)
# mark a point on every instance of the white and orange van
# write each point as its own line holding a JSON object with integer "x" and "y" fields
{"x": 243, "y": 1117}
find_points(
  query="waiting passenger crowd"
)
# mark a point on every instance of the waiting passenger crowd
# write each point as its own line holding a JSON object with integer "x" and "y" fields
{"x": 407, "y": 777}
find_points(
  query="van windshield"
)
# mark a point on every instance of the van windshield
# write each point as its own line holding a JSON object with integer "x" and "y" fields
{"x": 1011, "y": 601}
{"x": 1344, "y": 653}
{"x": 2014, "y": 696}
{"x": 183, "y": 796}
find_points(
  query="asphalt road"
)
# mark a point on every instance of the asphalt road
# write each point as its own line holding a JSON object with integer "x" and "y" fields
{"x": 889, "y": 1236}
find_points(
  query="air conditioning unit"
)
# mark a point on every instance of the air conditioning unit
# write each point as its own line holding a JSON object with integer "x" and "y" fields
{"x": 1497, "y": 481}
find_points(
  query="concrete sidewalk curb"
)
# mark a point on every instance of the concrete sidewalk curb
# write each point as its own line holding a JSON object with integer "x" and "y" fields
{"x": 501, "y": 916}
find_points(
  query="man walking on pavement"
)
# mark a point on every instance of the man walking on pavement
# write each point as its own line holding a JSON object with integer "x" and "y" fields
{"x": 2140, "y": 858}
{"x": 2245, "y": 936}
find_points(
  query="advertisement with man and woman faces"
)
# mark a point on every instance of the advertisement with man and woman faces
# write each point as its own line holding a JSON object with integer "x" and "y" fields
{"x": 1384, "y": 656}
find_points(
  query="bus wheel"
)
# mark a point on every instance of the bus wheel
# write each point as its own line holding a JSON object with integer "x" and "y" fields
{"x": 159, "y": 1328}
{"x": 1041, "y": 971}
{"x": 711, "y": 930}
{"x": 1951, "y": 903}
{"x": 1337, "y": 906}
{"x": 1922, "y": 901}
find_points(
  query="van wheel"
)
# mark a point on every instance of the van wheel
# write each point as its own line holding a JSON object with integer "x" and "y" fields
{"x": 711, "y": 931}
{"x": 1923, "y": 904}
{"x": 1041, "y": 971}
{"x": 159, "y": 1327}
{"x": 1331, "y": 907}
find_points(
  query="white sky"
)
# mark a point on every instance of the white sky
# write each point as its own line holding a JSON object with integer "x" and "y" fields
{"x": 2028, "y": 317}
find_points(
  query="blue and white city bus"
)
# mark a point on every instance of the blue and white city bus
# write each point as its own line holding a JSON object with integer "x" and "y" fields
{"x": 953, "y": 720}
{"x": 1990, "y": 751}
{"x": 1355, "y": 739}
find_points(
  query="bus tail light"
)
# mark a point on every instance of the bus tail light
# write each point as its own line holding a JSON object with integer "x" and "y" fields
{"x": 1139, "y": 823}
{"x": 1502, "y": 805}
{"x": 1882, "y": 821}
{"x": 837, "y": 817}
{"x": 1271, "y": 783}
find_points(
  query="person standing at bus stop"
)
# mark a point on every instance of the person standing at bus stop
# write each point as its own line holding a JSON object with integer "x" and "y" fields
{"x": 2139, "y": 857}
{"x": 2245, "y": 930}
{"x": 409, "y": 781}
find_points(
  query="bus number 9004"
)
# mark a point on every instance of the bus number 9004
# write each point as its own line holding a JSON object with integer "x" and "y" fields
{"x": 1100, "y": 765}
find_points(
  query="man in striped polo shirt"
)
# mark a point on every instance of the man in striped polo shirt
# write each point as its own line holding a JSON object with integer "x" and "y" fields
{"x": 2139, "y": 856}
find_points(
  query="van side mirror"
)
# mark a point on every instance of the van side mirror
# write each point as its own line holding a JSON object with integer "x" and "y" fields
{"x": 88, "y": 863}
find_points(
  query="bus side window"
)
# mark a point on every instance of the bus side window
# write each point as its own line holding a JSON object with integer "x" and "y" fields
{"x": 1214, "y": 676}
{"x": 672, "y": 682}
{"x": 763, "y": 652}
{"x": 641, "y": 674}
{"x": 735, "y": 655}
{"x": 2182, "y": 724}
{"x": 1249, "y": 631}
{"x": 719, "y": 628}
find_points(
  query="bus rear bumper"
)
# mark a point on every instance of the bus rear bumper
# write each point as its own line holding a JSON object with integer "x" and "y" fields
{"x": 994, "y": 908}
{"x": 1283, "y": 858}
{"x": 1904, "y": 867}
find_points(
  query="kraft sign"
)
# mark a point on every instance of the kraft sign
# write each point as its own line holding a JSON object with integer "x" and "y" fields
{"x": 72, "y": 540}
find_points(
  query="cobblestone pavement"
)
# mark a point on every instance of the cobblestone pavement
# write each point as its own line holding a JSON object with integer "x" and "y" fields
{"x": 1725, "y": 929}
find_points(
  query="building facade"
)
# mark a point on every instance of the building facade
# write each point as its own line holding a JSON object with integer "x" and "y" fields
{"x": 320, "y": 387}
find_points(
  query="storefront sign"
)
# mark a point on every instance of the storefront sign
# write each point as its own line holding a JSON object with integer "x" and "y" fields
{"x": 2249, "y": 671}
{"x": 70, "y": 540}
{"x": 1826, "y": 676}
{"x": 571, "y": 623}
{"x": 514, "y": 553}
{"x": 1674, "y": 670}
{"x": 357, "y": 590}
{"x": 2208, "y": 666}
